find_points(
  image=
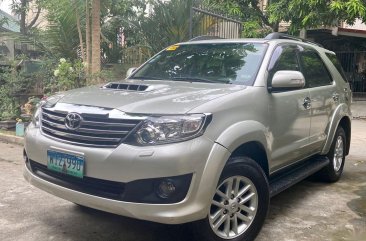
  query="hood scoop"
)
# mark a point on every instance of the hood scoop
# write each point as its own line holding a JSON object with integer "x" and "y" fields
{"x": 129, "y": 87}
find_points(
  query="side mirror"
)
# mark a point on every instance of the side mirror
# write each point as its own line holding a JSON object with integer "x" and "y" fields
{"x": 130, "y": 71}
{"x": 286, "y": 79}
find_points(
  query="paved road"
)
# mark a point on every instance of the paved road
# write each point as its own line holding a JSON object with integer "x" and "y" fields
{"x": 308, "y": 211}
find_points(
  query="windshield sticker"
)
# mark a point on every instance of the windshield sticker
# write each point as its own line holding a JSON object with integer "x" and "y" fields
{"x": 172, "y": 47}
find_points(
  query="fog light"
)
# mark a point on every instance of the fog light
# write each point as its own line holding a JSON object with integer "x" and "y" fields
{"x": 166, "y": 188}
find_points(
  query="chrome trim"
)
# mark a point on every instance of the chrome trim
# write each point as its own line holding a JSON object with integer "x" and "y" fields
{"x": 78, "y": 143}
{"x": 81, "y": 137}
{"x": 87, "y": 130}
{"x": 97, "y": 129}
{"x": 54, "y": 117}
{"x": 92, "y": 123}
{"x": 97, "y": 123}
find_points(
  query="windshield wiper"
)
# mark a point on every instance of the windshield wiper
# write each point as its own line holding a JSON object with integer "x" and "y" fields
{"x": 194, "y": 79}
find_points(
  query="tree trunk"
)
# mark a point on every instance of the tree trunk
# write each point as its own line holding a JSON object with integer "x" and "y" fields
{"x": 275, "y": 27}
{"x": 23, "y": 27}
{"x": 87, "y": 37}
{"x": 79, "y": 31}
{"x": 95, "y": 68}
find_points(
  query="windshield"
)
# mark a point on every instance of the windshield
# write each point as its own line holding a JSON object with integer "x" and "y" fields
{"x": 230, "y": 63}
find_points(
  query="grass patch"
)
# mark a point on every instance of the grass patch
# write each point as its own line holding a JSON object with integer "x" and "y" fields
{"x": 7, "y": 132}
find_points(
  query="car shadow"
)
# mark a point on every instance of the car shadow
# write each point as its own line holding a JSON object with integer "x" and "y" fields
{"x": 82, "y": 223}
{"x": 75, "y": 222}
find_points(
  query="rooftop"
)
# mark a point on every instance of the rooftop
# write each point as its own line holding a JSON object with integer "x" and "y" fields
{"x": 11, "y": 24}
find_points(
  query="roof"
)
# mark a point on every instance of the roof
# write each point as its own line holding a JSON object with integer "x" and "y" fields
{"x": 213, "y": 41}
{"x": 272, "y": 37}
{"x": 11, "y": 25}
{"x": 351, "y": 32}
{"x": 253, "y": 40}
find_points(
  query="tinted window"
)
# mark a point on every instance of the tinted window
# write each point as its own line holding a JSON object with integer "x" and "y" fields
{"x": 314, "y": 70}
{"x": 333, "y": 58}
{"x": 236, "y": 63}
{"x": 284, "y": 58}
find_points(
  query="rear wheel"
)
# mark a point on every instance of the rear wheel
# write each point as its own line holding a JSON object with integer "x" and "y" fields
{"x": 337, "y": 156}
{"x": 240, "y": 204}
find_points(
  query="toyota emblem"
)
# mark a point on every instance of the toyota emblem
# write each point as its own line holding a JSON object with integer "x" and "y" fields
{"x": 73, "y": 121}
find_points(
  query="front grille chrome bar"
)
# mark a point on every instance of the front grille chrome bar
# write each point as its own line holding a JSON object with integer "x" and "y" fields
{"x": 95, "y": 129}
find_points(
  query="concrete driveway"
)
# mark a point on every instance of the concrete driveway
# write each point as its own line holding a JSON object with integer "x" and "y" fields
{"x": 308, "y": 211}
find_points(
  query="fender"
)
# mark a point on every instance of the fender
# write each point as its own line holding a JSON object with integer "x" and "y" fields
{"x": 341, "y": 111}
{"x": 230, "y": 139}
{"x": 244, "y": 132}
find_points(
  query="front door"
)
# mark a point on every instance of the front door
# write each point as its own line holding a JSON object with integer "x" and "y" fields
{"x": 289, "y": 116}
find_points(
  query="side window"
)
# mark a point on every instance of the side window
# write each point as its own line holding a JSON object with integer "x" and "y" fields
{"x": 314, "y": 70}
{"x": 333, "y": 58}
{"x": 284, "y": 58}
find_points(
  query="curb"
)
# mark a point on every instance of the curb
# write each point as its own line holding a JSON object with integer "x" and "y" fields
{"x": 12, "y": 139}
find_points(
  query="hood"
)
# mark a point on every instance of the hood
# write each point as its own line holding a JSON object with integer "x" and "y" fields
{"x": 152, "y": 97}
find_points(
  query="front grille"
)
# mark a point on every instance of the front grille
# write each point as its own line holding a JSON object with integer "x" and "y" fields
{"x": 97, "y": 130}
{"x": 89, "y": 185}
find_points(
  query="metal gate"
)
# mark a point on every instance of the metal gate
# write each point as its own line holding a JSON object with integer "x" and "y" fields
{"x": 203, "y": 22}
{"x": 354, "y": 65}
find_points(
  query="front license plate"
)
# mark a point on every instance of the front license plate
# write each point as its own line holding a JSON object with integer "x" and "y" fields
{"x": 68, "y": 164}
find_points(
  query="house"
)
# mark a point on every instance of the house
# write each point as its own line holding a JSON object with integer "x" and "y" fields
{"x": 347, "y": 41}
{"x": 8, "y": 25}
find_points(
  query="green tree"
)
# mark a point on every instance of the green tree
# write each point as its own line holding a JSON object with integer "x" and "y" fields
{"x": 21, "y": 7}
{"x": 79, "y": 28}
{"x": 167, "y": 24}
{"x": 299, "y": 13}
{"x": 314, "y": 13}
{"x": 60, "y": 39}
{"x": 249, "y": 11}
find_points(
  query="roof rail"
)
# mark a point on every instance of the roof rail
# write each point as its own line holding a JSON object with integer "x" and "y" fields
{"x": 204, "y": 37}
{"x": 286, "y": 36}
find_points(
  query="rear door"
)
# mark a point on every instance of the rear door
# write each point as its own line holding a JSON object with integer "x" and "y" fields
{"x": 323, "y": 95}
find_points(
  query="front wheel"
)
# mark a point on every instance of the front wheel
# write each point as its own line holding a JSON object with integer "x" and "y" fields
{"x": 240, "y": 204}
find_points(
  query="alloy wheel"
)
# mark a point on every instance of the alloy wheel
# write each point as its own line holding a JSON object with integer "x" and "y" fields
{"x": 233, "y": 207}
{"x": 338, "y": 154}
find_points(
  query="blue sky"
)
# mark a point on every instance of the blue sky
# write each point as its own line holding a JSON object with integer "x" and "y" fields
{"x": 5, "y": 6}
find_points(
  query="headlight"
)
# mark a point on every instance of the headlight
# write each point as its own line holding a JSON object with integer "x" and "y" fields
{"x": 169, "y": 129}
{"x": 48, "y": 102}
{"x": 36, "y": 119}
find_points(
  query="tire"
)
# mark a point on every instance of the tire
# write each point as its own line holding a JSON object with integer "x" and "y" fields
{"x": 244, "y": 207}
{"x": 336, "y": 155}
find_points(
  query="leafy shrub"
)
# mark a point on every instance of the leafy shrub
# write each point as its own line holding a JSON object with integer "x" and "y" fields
{"x": 11, "y": 84}
{"x": 69, "y": 75}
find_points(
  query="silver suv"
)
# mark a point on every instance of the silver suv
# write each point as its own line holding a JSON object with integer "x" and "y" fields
{"x": 205, "y": 131}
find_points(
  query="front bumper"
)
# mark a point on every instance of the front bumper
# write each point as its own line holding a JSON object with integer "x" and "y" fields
{"x": 201, "y": 158}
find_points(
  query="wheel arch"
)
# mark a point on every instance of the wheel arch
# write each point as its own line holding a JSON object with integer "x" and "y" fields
{"x": 345, "y": 123}
{"x": 341, "y": 117}
{"x": 255, "y": 151}
{"x": 248, "y": 138}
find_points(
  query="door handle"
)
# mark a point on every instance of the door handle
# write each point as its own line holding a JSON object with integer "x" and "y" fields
{"x": 307, "y": 103}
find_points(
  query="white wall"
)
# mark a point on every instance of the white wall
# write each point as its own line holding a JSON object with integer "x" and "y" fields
{"x": 359, "y": 25}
